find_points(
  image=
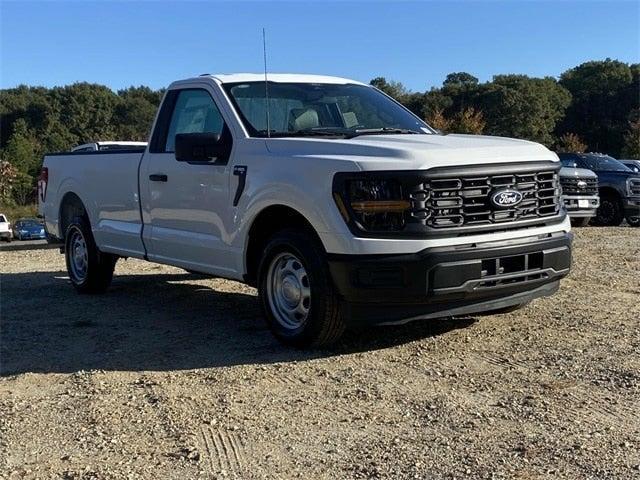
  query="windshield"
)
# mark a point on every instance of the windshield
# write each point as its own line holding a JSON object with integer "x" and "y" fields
{"x": 30, "y": 224}
{"x": 320, "y": 109}
{"x": 605, "y": 162}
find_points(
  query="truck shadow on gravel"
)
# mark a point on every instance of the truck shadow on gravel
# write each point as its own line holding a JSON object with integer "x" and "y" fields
{"x": 157, "y": 322}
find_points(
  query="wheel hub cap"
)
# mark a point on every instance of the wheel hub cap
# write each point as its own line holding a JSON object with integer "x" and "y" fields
{"x": 78, "y": 256}
{"x": 288, "y": 290}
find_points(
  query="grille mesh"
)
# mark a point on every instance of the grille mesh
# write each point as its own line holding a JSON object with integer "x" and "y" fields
{"x": 464, "y": 201}
{"x": 635, "y": 186}
{"x": 579, "y": 186}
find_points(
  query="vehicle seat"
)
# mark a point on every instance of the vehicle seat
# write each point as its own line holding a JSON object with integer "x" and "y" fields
{"x": 303, "y": 119}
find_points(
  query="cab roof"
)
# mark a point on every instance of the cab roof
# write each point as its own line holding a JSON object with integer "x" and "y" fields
{"x": 278, "y": 78}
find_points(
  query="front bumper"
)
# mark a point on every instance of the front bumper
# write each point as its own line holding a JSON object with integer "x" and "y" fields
{"x": 456, "y": 280}
{"x": 578, "y": 206}
{"x": 5, "y": 235}
{"x": 631, "y": 206}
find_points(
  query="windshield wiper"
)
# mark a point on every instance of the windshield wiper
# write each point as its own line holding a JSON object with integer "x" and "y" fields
{"x": 307, "y": 132}
{"x": 381, "y": 131}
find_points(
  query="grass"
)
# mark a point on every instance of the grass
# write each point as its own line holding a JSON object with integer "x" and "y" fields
{"x": 14, "y": 212}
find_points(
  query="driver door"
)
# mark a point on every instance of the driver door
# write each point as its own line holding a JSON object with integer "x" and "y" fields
{"x": 185, "y": 203}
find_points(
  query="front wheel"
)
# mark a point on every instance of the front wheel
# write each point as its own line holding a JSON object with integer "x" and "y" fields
{"x": 90, "y": 270}
{"x": 609, "y": 213}
{"x": 633, "y": 221}
{"x": 296, "y": 292}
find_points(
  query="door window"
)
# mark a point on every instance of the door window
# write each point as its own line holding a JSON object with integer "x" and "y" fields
{"x": 194, "y": 112}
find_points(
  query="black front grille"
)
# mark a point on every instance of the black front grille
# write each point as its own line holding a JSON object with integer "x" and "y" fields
{"x": 634, "y": 186}
{"x": 465, "y": 200}
{"x": 454, "y": 201}
{"x": 579, "y": 186}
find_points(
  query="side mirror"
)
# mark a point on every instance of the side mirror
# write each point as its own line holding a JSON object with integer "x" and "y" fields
{"x": 200, "y": 147}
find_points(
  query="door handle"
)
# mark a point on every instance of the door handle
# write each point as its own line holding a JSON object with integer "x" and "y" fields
{"x": 239, "y": 171}
{"x": 158, "y": 177}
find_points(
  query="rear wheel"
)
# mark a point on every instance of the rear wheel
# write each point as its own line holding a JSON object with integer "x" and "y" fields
{"x": 609, "y": 213}
{"x": 580, "y": 222}
{"x": 90, "y": 270}
{"x": 297, "y": 295}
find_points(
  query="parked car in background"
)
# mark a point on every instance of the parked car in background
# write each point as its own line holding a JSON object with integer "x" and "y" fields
{"x": 618, "y": 185}
{"x": 109, "y": 146}
{"x": 631, "y": 164}
{"x": 29, "y": 229}
{"x": 579, "y": 192}
{"x": 5, "y": 228}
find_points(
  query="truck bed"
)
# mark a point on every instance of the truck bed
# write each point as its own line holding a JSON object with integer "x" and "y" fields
{"x": 107, "y": 184}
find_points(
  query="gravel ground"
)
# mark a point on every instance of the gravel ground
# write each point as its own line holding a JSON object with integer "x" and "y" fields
{"x": 173, "y": 375}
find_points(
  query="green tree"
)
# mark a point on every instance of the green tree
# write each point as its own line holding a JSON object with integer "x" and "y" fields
{"x": 87, "y": 110}
{"x": 392, "y": 88}
{"x": 631, "y": 148}
{"x": 523, "y": 107}
{"x": 134, "y": 112}
{"x": 22, "y": 149}
{"x": 604, "y": 94}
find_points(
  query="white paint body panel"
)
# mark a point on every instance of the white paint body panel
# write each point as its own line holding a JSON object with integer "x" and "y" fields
{"x": 190, "y": 220}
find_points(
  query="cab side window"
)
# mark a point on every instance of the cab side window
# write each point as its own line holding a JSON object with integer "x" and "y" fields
{"x": 194, "y": 112}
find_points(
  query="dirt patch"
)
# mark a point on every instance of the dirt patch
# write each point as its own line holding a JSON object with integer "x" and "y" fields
{"x": 174, "y": 375}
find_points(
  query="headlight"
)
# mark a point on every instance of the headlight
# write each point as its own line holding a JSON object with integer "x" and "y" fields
{"x": 633, "y": 186}
{"x": 372, "y": 204}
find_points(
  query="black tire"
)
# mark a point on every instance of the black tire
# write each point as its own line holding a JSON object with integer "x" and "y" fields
{"x": 323, "y": 323}
{"x": 580, "y": 222}
{"x": 98, "y": 273}
{"x": 609, "y": 213}
{"x": 633, "y": 222}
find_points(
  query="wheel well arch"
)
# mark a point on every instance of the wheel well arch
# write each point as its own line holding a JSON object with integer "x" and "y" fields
{"x": 71, "y": 206}
{"x": 269, "y": 221}
{"x": 608, "y": 191}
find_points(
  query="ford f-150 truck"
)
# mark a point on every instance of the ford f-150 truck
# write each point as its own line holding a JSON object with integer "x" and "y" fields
{"x": 334, "y": 200}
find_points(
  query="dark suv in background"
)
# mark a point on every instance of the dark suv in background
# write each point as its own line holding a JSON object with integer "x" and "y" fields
{"x": 619, "y": 187}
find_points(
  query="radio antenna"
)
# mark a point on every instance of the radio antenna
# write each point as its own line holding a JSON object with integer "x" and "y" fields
{"x": 266, "y": 84}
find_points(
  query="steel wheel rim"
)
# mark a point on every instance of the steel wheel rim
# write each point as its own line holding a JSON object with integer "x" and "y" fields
{"x": 78, "y": 256}
{"x": 288, "y": 291}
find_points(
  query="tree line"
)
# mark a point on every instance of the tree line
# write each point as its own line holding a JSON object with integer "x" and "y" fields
{"x": 594, "y": 106}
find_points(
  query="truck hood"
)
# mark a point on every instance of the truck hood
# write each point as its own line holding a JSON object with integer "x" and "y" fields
{"x": 618, "y": 174}
{"x": 577, "y": 172}
{"x": 413, "y": 152}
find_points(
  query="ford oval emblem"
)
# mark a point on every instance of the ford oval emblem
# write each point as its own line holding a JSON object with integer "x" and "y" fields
{"x": 505, "y": 198}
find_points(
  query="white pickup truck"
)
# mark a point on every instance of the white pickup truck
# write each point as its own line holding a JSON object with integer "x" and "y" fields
{"x": 333, "y": 199}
